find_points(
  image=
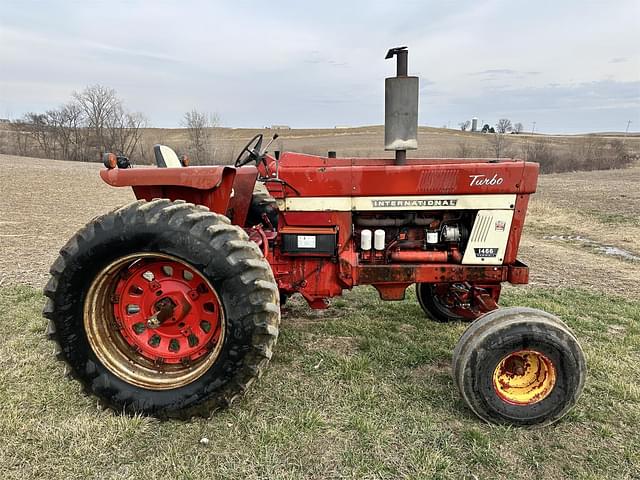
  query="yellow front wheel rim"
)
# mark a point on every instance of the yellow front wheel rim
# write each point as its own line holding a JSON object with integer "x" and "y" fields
{"x": 524, "y": 377}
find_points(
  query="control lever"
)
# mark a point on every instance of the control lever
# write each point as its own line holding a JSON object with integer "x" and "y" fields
{"x": 264, "y": 150}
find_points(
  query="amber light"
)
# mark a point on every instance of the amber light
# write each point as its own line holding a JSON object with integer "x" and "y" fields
{"x": 110, "y": 160}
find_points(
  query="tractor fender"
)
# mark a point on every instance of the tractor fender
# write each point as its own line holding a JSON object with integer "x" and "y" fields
{"x": 199, "y": 178}
{"x": 210, "y": 186}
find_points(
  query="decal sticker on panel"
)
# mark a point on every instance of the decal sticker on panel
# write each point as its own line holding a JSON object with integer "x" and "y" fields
{"x": 488, "y": 238}
{"x": 486, "y": 252}
{"x": 482, "y": 180}
{"x": 306, "y": 241}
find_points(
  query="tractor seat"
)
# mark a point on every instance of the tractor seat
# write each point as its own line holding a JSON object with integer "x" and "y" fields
{"x": 166, "y": 157}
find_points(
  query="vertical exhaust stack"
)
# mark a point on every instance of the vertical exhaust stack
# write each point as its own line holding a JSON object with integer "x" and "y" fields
{"x": 400, "y": 108}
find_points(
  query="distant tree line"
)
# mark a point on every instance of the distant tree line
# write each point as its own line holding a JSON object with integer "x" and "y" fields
{"x": 94, "y": 120}
{"x": 589, "y": 152}
{"x": 504, "y": 125}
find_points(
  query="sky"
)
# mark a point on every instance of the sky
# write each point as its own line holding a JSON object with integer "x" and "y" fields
{"x": 569, "y": 66}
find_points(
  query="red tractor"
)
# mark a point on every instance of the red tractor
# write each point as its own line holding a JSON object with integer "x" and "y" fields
{"x": 170, "y": 306}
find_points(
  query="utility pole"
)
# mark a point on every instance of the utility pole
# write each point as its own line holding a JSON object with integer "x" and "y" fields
{"x": 533, "y": 129}
{"x": 626, "y": 132}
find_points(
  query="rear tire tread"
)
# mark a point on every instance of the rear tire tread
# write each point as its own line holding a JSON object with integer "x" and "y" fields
{"x": 243, "y": 259}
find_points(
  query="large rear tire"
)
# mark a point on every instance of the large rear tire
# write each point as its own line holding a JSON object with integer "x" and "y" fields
{"x": 163, "y": 308}
{"x": 519, "y": 366}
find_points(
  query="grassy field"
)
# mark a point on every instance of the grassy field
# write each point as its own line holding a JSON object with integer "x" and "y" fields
{"x": 362, "y": 390}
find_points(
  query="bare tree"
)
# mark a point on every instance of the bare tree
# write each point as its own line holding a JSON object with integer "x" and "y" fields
{"x": 112, "y": 127}
{"x": 200, "y": 127}
{"x": 93, "y": 121}
{"x": 498, "y": 143}
{"x": 67, "y": 125}
{"x": 464, "y": 150}
{"x": 518, "y": 128}
{"x": 19, "y": 138}
{"x": 503, "y": 125}
{"x": 464, "y": 126}
{"x": 101, "y": 107}
{"x": 40, "y": 127}
{"x": 125, "y": 131}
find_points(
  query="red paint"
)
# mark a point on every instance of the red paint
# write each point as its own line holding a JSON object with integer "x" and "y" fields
{"x": 188, "y": 310}
{"x": 201, "y": 178}
{"x": 391, "y": 291}
{"x": 419, "y": 256}
{"x": 243, "y": 184}
{"x": 517, "y": 224}
{"x": 326, "y": 177}
{"x": 318, "y": 278}
{"x": 208, "y": 186}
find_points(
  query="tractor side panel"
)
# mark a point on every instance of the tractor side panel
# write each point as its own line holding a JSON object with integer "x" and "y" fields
{"x": 440, "y": 221}
{"x": 302, "y": 262}
{"x": 517, "y": 225}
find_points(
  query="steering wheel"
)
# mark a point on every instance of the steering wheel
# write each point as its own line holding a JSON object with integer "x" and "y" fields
{"x": 248, "y": 154}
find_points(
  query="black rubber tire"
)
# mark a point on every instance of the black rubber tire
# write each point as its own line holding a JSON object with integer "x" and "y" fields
{"x": 497, "y": 334}
{"x": 262, "y": 203}
{"x": 428, "y": 300}
{"x": 221, "y": 252}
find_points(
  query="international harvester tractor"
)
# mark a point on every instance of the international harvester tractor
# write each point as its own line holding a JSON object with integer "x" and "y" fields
{"x": 170, "y": 306}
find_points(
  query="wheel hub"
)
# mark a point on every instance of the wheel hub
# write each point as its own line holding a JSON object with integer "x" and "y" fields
{"x": 166, "y": 312}
{"x": 524, "y": 377}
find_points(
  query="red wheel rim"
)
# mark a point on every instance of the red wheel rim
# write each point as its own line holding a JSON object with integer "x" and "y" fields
{"x": 154, "y": 321}
{"x": 167, "y": 311}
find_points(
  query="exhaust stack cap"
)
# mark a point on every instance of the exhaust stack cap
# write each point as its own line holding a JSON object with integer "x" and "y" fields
{"x": 401, "y": 107}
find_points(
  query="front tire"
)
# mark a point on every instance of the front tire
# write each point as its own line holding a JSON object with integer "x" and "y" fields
{"x": 433, "y": 303}
{"x": 163, "y": 308}
{"x": 519, "y": 366}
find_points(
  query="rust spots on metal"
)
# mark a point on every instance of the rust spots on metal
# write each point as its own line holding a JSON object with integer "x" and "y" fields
{"x": 374, "y": 274}
{"x": 524, "y": 377}
{"x": 391, "y": 291}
